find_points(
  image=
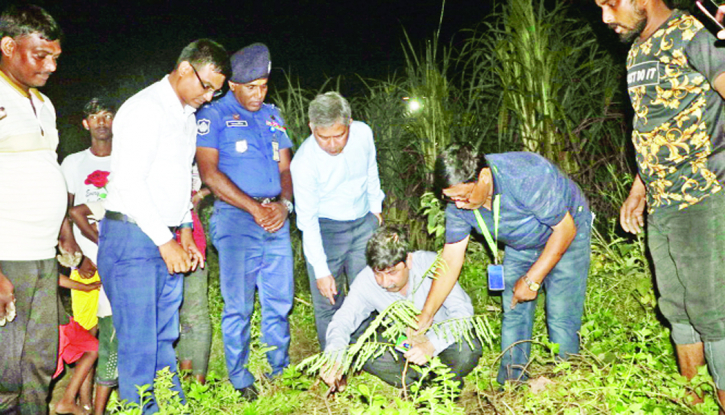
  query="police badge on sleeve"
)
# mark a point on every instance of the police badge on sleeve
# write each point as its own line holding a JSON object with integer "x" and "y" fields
{"x": 203, "y": 126}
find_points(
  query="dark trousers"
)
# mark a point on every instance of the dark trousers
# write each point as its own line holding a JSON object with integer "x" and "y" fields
{"x": 195, "y": 335}
{"x": 460, "y": 358}
{"x": 29, "y": 344}
{"x": 688, "y": 252}
{"x": 344, "y": 243}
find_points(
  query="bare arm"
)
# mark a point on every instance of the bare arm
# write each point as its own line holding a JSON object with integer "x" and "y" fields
{"x": 68, "y": 283}
{"x": 188, "y": 244}
{"x": 447, "y": 275}
{"x": 631, "y": 215}
{"x": 719, "y": 85}
{"x": 79, "y": 216}
{"x": 66, "y": 240}
{"x": 199, "y": 196}
{"x": 7, "y": 296}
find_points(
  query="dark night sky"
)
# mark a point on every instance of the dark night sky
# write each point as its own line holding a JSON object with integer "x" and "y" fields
{"x": 108, "y": 42}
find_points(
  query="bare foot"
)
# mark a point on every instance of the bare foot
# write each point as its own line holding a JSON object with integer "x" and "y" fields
{"x": 693, "y": 398}
{"x": 69, "y": 408}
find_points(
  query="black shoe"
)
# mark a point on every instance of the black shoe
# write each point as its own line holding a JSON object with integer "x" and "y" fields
{"x": 249, "y": 394}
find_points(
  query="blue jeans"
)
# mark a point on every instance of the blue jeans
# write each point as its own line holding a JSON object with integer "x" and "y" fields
{"x": 565, "y": 288}
{"x": 344, "y": 243}
{"x": 145, "y": 300}
{"x": 251, "y": 258}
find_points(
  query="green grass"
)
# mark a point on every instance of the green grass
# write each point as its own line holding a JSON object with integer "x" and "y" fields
{"x": 626, "y": 365}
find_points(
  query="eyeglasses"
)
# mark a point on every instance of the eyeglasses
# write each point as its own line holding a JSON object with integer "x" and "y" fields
{"x": 216, "y": 93}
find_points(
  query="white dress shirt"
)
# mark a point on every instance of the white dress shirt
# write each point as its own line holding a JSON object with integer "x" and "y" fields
{"x": 154, "y": 141}
{"x": 344, "y": 187}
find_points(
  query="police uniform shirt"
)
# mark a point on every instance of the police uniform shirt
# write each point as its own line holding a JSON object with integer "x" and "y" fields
{"x": 248, "y": 143}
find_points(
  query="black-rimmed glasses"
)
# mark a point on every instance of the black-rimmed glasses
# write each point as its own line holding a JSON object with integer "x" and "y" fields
{"x": 216, "y": 93}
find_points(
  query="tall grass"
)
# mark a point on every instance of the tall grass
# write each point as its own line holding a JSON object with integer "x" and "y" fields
{"x": 427, "y": 85}
{"x": 550, "y": 80}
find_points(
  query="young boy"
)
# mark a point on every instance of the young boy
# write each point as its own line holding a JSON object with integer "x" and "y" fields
{"x": 86, "y": 217}
{"x": 80, "y": 346}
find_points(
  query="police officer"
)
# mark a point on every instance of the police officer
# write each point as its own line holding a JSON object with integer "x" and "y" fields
{"x": 243, "y": 153}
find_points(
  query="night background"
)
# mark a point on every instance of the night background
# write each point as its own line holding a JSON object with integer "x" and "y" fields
{"x": 107, "y": 42}
{"x": 112, "y": 47}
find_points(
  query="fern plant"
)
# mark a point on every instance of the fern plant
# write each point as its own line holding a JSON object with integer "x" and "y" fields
{"x": 391, "y": 323}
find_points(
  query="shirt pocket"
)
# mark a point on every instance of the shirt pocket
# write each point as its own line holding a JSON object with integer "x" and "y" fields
{"x": 238, "y": 143}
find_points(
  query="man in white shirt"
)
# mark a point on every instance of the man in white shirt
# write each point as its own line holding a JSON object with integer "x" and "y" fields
{"x": 32, "y": 209}
{"x": 148, "y": 199}
{"x": 86, "y": 175}
{"x": 394, "y": 273}
{"x": 339, "y": 201}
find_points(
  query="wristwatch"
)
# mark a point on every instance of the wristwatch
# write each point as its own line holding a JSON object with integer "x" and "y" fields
{"x": 288, "y": 204}
{"x": 533, "y": 286}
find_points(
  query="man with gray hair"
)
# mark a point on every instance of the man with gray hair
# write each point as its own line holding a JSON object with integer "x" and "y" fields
{"x": 339, "y": 201}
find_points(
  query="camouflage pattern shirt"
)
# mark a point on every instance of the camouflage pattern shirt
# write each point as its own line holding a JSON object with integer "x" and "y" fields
{"x": 678, "y": 115}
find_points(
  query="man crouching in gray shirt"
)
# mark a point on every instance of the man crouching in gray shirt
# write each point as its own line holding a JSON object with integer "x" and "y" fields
{"x": 394, "y": 274}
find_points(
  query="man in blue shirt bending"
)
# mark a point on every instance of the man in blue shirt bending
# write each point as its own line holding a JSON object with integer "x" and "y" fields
{"x": 543, "y": 219}
{"x": 339, "y": 201}
{"x": 243, "y": 153}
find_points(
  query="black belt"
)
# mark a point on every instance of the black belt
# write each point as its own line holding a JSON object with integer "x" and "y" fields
{"x": 264, "y": 200}
{"x": 125, "y": 218}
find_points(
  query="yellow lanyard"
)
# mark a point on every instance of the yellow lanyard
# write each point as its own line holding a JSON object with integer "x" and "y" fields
{"x": 492, "y": 242}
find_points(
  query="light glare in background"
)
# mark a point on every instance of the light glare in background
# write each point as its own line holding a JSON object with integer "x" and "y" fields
{"x": 413, "y": 104}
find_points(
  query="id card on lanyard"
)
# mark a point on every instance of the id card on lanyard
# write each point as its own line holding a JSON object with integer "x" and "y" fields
{"x": 495, "y": 270}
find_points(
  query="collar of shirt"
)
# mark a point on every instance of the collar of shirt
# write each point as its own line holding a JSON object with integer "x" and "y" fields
{"x": 231, "y": 100}
{"x": 172, "y": 101}
{"x": 319, "y": 152}
{"x": 16, "y": 87}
